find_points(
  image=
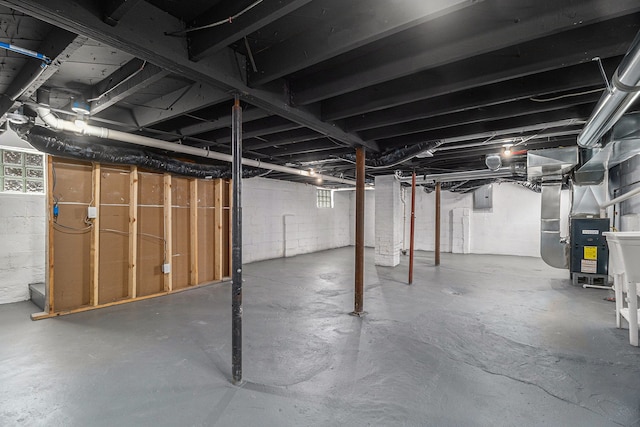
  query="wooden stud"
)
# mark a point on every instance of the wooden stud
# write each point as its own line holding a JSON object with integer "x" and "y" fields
{"x": 133, "y": 231}
{"x": 50, "y": 240}
{"x": 168, "y": 232}
{"x": 40, "y": 316}
{"x": 218, "y": 229}
{"x": 95, "y": 237}
{"x": 193, "y": 231}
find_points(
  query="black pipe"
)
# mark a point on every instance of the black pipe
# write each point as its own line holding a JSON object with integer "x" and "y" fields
{"x": 80, "y": 147}
{"x": 236, "y": 248}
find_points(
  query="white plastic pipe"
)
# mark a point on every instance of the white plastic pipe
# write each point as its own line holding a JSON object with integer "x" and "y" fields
{"x": 622, "y": 198}
{"x": 56, "y": 123}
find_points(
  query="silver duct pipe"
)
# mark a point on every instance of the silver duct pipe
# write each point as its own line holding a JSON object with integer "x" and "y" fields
{"x": 462, "y": 176}
{"x": 553, "y": 249}
{"x": 54, "y": 122}
{"x": 613, "y": 104}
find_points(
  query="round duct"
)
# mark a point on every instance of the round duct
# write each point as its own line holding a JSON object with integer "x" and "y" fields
{"x": 493, "y": 161}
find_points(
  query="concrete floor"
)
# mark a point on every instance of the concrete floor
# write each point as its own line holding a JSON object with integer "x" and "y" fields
{"x": 480, "y": 340}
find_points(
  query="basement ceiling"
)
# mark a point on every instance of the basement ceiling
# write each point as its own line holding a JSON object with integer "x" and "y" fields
{"x": 319, "y": 78}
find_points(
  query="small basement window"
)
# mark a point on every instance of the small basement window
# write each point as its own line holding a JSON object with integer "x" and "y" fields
{"x": 21, "y": 172}
{"x": 324, "y": 198}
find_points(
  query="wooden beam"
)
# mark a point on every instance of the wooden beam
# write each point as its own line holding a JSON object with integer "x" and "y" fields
{"x": 95, "y": 236}
{"x": 168, "y": 233}
{"x": 114, "y": 10}
{"x": 218, "y": 229}
{"x": 193, "y": 231}
{"x": 133, "y": 76}
{"x": 133, "y": 231}
{"x": 40, "y": 316}
{"x": 50, "y": 237}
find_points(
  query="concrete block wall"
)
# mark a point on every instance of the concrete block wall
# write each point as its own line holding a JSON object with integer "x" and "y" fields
{"x": 388, "y": 221}
{"x": 23, "y": 248}
{"x": 281, "y": 218}
{"x": 512, "y": 227}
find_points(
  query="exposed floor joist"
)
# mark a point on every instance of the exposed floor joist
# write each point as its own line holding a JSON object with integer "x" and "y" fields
{"x": 139, "y": 35}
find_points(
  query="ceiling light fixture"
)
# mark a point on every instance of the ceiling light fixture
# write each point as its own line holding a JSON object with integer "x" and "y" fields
{"x": 507, "y": 149}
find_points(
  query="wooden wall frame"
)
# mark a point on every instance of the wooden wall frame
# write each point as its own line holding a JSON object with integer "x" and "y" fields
{"x": 218, "y": 240}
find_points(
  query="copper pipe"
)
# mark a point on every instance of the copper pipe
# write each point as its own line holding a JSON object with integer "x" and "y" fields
{"x": 413, "y": 225}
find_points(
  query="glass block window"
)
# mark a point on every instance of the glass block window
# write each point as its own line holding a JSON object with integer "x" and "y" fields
{"x": 21, "y": 172}
{"x": 324, "y": 198}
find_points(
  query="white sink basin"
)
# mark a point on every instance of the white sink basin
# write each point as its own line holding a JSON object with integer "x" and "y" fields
{"x": 625, "y": 246}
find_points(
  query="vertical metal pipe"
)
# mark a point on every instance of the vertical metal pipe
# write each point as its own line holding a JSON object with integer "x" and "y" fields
{"x": 359, "y": 267}
{"x": 437, "y": 244}
{"x": 236, "y": 245}
{"x": 413, "y": 225}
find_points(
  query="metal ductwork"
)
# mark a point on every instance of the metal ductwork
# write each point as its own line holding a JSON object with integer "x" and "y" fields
{"x": 54, "y": 122}
{"x": 549, "y": 166}
{"x": 623, "y": 143}
{"x": 505, "y": 172}
{"x": 553, "y": 248}
{"x": 624, "y": 90}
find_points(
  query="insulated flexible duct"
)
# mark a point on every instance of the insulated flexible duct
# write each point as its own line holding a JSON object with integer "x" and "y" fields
{"x": 396, "y": 157}
{"x": 78, "y": 148}
{"x": 52, "y": 121}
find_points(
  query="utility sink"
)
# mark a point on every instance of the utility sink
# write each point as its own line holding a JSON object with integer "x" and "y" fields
{"x": 624, "y": 252}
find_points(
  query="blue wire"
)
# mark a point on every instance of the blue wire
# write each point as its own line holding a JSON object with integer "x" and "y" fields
{"x": 26, "y": 52}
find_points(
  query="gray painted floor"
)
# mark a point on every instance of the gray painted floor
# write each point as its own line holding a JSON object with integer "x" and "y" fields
{"x": 480, "y": 340}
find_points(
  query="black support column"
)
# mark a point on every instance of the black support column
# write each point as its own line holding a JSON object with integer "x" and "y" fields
{"x": 236, "y": 244}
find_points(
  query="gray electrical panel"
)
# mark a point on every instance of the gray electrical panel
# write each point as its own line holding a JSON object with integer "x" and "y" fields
{"x": 483, "y": 197}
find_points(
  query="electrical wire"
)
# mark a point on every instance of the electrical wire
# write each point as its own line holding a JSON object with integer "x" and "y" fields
{"x": 228, "y": 20}
{"x": 126, "y": 233}
{"x": 568, "y": 95}
{"x": 74, "y": 230}
{"x": 132, "y": 75}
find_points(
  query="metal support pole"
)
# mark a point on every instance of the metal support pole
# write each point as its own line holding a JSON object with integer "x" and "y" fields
{"x": 359, "y": 267}
{"x": 236, "y": 245}
{"x": 437, "y": 244}
{"x": 413, "y": 225}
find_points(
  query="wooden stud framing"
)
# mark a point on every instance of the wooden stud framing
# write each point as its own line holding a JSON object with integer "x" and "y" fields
{"x": 193, "y": 230}
{"x": 133, "y": 231}
{"x": 218, "y": 229}
{"x": 95, "y": 236}
{"x": 50, "y": 282}
{"x": 168, "y": 233}
{"x": 221, "y": 196}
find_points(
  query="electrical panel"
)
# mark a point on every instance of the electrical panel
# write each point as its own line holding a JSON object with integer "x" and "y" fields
{"x": 589, "y": 252}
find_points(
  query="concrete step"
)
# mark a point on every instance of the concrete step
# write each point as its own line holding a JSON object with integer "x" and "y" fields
{"x": 37, "y": 292}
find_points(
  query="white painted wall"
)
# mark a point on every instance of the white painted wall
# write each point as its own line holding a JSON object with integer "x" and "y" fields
{"x": 281, "y": 219}
{"x": 511, "y": 227}
{"x": 22, "y": 248}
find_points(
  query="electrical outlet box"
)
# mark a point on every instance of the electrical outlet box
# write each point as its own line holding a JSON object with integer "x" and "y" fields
{"x": 92, "y": 212}
{"x": 166, "y": 268}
